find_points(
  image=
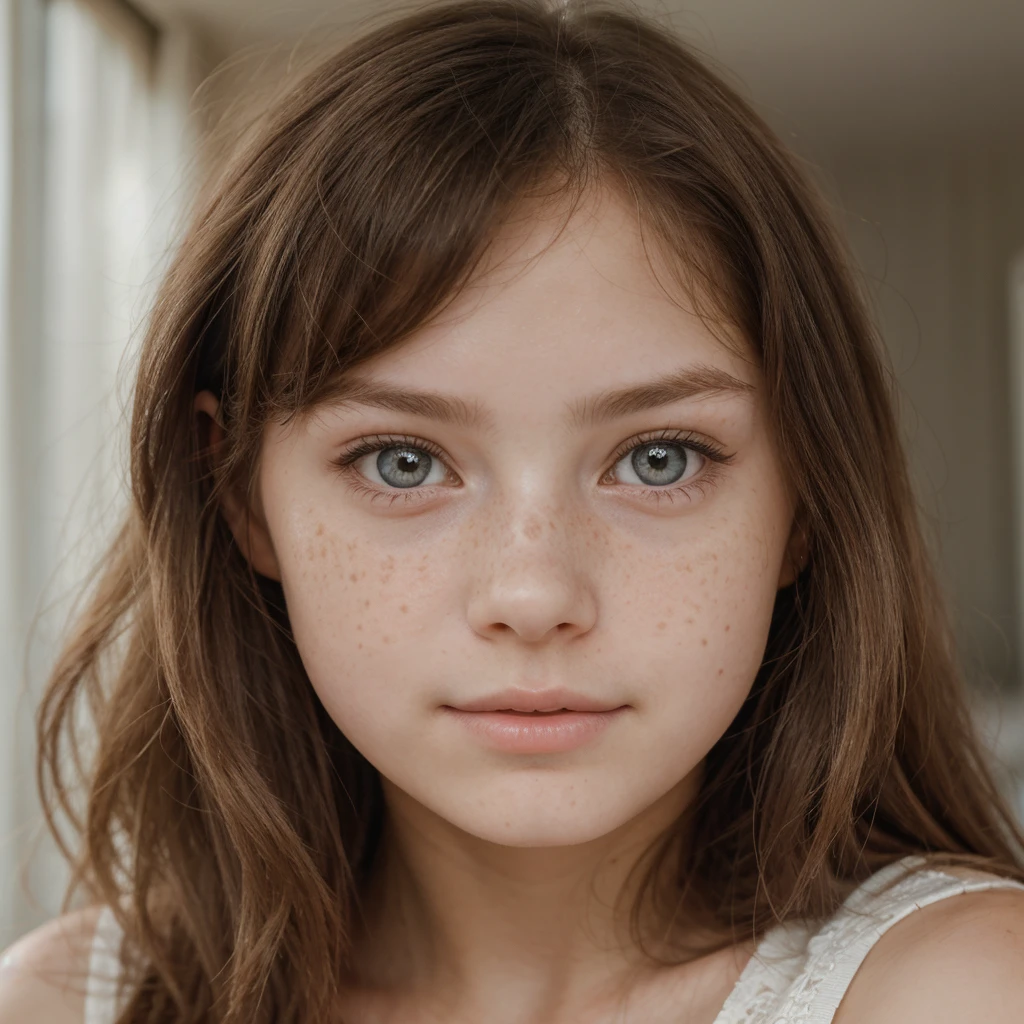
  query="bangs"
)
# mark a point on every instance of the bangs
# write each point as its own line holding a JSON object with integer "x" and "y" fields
{"x": 374, "y": 221}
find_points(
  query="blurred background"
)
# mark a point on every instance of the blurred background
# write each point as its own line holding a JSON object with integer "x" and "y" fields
{"x": 909, "y": 113}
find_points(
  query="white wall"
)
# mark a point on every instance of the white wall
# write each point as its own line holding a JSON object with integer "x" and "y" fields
{"x": 935, "y": 231}
{"x": 100, "y": 113}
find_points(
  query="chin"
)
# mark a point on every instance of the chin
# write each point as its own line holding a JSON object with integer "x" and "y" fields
{"x": 535, "y": 834}
{"x": 524, "y": 823}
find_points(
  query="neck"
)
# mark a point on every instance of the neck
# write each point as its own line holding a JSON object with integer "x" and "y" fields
{"x": 547, "y": 928}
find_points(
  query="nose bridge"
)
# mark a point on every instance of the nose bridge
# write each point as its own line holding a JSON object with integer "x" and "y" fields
{"x": 530, "y": 565}
{"x": 532, "y": 513}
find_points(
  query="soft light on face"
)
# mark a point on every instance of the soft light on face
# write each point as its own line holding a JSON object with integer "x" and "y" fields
{"x": 544, "y": 546}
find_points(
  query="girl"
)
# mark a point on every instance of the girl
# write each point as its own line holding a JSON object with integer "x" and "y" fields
{"x": 522, "y": 614}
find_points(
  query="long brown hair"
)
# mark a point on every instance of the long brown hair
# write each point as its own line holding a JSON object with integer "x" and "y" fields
{"x": 228, "y": 822}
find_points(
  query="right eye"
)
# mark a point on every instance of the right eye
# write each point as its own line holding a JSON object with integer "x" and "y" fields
{"x": 395, "y": 463}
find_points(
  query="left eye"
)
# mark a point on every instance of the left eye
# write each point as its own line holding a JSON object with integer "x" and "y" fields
{"x": 659, "y": 463}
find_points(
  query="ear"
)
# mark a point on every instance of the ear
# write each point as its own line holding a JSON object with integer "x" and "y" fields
{"x": 797, "y": 551}
{"x": 248, "y": 525}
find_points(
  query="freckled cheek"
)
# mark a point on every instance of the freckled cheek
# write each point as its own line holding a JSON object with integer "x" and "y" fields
{"x": 354, "y": 614}
{"x": 702, "y": 618}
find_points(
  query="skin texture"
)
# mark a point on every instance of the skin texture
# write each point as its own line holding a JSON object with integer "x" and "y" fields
{"x": 960, "y": 959}
{"x": 532, "y": 555}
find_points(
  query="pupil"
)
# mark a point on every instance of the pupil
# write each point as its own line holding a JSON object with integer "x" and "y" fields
{"x": 658, "y": 456}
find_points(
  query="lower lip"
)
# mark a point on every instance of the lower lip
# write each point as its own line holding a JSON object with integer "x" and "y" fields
{"x": 536, "y": 734}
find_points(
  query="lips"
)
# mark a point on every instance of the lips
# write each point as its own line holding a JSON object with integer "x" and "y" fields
{"x": 525, "y": 701}
{"x": 533, "y": 732}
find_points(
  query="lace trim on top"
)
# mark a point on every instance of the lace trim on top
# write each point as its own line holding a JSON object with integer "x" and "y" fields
{"x": 800, "y": 972}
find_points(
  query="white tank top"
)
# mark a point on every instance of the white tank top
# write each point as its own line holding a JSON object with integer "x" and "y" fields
{"x": 799, "y": 971}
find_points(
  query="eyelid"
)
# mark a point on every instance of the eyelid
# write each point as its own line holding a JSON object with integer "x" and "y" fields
{"x": 378, "y": 442}
{"x": 684, "y": 438}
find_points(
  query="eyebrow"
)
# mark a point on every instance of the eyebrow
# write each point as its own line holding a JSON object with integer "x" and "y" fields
{"x": 697, "y": 381}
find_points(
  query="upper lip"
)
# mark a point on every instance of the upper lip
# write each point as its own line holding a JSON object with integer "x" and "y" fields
{"x": 518, "y": 699}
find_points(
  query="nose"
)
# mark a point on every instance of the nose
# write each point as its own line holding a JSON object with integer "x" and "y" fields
{"x": 533, "y": 578}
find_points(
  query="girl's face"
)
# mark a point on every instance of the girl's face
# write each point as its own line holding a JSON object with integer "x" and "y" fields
{"x": 545, "y": 510}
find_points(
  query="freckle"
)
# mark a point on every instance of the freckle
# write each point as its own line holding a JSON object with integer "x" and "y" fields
{"x": 721, "y": 670}
{"x": 703, "y": 581}
{"x": 404, "y": 608}
{"x": 387, "y": 640}
{"x": 690, "y": 620}
{"x": 366, "y": 603}
{"x": 360, "y": 646}
{"x": 323, "y": 551}
{"x": 320, "y": 529}
{"x": 353, "y": 577}
{"x": 661, "y": 625}
{"x": 703, "y": 641}
{"x": 572, "y": 803}
{"x": 359, "y": 625}
{"x": 727, "y": 627}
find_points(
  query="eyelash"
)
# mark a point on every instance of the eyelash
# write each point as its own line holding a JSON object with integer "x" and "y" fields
{"x": 714, "y": 456}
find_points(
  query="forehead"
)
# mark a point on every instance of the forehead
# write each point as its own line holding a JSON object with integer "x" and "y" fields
{"x": 596, "y": 249}
{"x": 587, "y": 282}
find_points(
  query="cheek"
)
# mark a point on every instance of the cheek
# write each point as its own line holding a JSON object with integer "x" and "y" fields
{"x": 692, "y": 626}
{"x": 356, "y": 614}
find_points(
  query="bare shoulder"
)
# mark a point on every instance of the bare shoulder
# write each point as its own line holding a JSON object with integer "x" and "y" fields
{"x": 43, "y": 974}
{"x": 960, "y": 958}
